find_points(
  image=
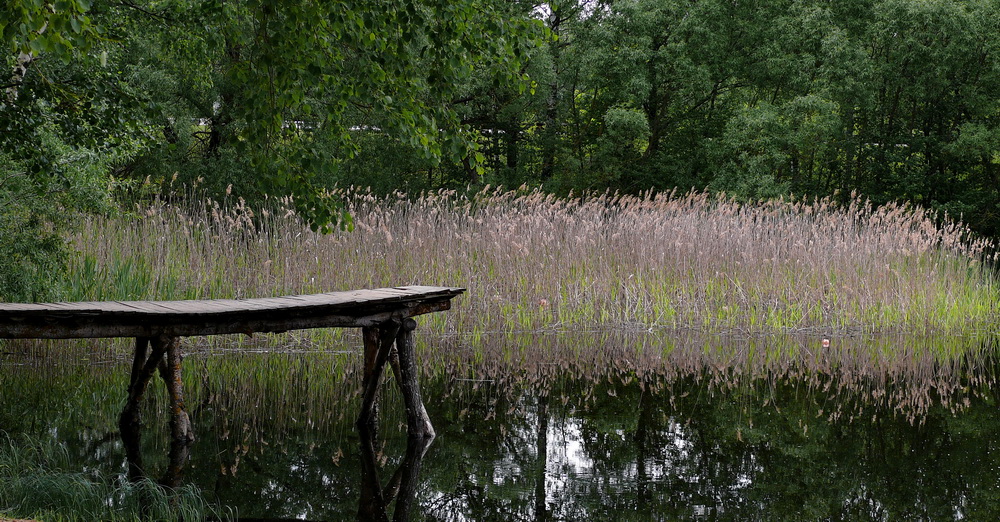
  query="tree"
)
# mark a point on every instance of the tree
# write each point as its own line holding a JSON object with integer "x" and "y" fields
{"x": 55, "y": 154}
{"x": 281, "y": 89}
{"x": 257, "y": 96}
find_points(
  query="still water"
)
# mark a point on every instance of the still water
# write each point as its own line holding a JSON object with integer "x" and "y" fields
{"x": 600, "y": 427}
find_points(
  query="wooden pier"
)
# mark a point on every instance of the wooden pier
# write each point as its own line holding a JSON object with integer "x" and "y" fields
{"x": 385, "y": 316}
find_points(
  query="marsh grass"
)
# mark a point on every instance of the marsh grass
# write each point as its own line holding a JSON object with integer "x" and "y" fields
{"x": 614, "y": 292}
{"x": 657, "y": 284}
{"x": 533, "y": 262}
{"x": 39, "y": 480}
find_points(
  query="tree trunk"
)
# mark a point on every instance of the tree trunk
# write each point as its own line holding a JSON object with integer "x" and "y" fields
{"x": 512, "y": 135}
{"x": 550, "y": 130}
{"x": 20, "y": 69}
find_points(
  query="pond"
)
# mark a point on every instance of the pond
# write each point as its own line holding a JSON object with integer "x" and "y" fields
{"x": 589, "y": 426}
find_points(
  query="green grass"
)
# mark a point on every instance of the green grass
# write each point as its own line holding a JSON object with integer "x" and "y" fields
{"x": 39, "y": 482}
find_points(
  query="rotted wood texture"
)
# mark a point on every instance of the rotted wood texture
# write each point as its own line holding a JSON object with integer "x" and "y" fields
{"x": 149, "y": 319}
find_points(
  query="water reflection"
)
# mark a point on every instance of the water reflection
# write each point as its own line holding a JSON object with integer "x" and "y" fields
{"x": 719, "y": 455}
{"x": 177, "y": 457}
{"x": 375, "y": 500}
{"x": 563, "y": 430}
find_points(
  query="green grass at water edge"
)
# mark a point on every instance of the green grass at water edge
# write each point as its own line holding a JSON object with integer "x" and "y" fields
{"x": 38, "y": 481}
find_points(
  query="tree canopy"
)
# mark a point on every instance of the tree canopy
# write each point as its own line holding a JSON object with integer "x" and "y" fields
{"x": 891, "y": 99}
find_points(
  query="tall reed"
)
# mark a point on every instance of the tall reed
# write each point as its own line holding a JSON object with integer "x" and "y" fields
{"x": 533, "y": 262}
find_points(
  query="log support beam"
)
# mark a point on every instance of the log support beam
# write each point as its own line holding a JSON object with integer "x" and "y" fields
{"x": 378, "y": 343}
{"x": 418, "y": 423}
{"x": 379, "y": 348}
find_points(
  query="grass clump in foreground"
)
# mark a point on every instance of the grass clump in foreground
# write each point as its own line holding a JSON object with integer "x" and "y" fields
{"x": 534, "y": 262}
{"x": 38, "y": 481}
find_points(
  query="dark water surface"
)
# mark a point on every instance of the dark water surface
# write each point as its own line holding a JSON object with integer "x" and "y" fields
{"x": 547, "y": 428}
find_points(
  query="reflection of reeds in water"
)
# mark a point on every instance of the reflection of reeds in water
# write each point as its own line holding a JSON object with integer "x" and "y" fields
{"x": 534, "y": 262}
{"x": 899, "y": 375}
{"x": 289, "y": 396}
{"x": 251, "y": 393}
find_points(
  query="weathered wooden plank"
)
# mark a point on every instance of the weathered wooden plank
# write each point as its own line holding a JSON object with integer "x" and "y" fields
{"x": 222, "y": 316}
{"x": 152, "y": 307}
{"x": 225, "y": 305}
{"x": 211, "y": 305}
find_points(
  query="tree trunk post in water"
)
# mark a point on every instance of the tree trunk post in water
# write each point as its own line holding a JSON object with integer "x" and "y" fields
{"x": 142, "y": 370}
{"x": 378, "y": 343}
{"x": 143, "y": 367}
{"x": 418, "y": 423}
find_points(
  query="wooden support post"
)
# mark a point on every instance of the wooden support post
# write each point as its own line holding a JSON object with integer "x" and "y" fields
{"x": 367, "y": 418}
{"x": 177, "y": 459}
{"x": 418, "y": 423}
{"x": 139, "y": 359}
{"x": 180, "y": 423}
{"x": 143, "y": 367}
{"x": 378, "y": 341}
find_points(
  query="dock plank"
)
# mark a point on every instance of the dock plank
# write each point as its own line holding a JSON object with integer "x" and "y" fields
{"x": 215, "y": 316}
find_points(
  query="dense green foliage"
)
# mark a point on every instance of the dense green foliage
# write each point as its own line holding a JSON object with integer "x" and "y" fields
{"x": 892, "y": 99}
{"x": 271, "y": 97}
{"x": 257, "y": 97}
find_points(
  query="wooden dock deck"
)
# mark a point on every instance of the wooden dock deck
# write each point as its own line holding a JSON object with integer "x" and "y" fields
{"x": 385, "y": 316}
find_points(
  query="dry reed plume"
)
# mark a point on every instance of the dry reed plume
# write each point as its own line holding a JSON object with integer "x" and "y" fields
{"x": 535, "y": 262}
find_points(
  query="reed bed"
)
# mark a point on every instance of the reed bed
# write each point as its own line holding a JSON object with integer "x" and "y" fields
{"x": 673, "y": 293}
{"x": 534, "y": 262}
{"x": 659, "y": 287}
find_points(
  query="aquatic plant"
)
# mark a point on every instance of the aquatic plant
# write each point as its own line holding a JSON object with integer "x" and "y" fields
{"x": 535, "y": 262}
{"x": 38, "y": 480}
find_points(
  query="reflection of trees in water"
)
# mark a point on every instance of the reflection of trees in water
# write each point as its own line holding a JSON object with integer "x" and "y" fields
{"x": 735, "y": 453}
{"x": 614, "y": 427}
